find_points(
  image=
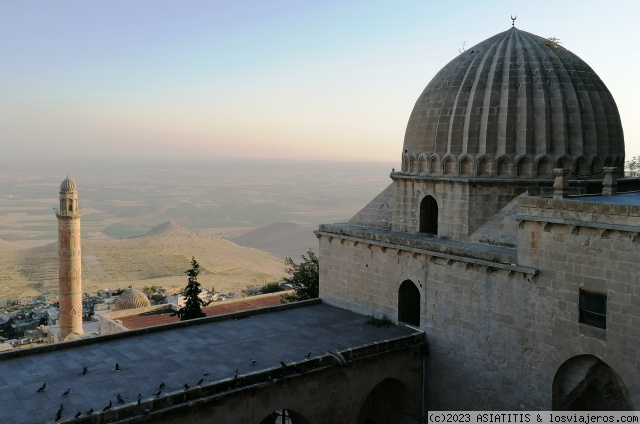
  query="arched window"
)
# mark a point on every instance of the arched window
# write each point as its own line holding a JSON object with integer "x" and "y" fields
{"x": 429, "y": 216}
{"x": 409, "y": 303}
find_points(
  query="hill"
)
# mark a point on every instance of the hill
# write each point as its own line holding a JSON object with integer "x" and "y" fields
{"x": 282, "y": 239}
{"x": 158, "y": 258}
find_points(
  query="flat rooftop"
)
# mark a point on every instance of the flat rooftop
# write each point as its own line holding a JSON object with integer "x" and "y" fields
{"x": 174, "y": 354}
{"x": 630, "y": 198}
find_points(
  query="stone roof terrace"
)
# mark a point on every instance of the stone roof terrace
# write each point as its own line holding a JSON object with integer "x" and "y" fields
{"x": 175, "y": 354}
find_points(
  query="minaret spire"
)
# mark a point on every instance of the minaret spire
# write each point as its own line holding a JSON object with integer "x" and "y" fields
{"x": 69, "y": 262}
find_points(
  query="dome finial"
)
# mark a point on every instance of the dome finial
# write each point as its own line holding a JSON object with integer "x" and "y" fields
{"x": 513, "y": 20}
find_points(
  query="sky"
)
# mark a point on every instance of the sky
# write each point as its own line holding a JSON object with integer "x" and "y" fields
{"x": 270, "y": 79}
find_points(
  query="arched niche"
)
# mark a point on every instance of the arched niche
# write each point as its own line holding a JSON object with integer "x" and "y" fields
{"x": 544, "y": 168}
{"x": 390, "y": 402}
{"x": 428, "y": 216}
{"x": 525, "y": 167}
{"x": 586, "y": 383}
{"x": 409, "y": 303}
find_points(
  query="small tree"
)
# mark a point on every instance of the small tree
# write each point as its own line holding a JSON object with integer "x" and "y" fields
{"x": 632, "y": 167}
{"x": 304, "y": 278}
{"x": 193, "y": 306}
{"x": 271, "y": 288}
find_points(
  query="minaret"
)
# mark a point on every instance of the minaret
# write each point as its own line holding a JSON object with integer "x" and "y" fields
{"x": 69, "y": 262}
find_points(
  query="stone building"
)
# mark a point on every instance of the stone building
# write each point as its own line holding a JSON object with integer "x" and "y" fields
{"x": 527, "y": 291}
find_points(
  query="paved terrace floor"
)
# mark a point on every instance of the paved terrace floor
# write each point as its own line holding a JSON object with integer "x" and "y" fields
{"x": 173, "y": 356}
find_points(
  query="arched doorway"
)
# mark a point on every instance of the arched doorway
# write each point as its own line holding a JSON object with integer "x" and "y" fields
{"x": 429, "y": 216}
{"x": 390, "y": 402}
{"x": 586, "y": 383}
{"x": 409, "y": 303}
{"x": 284, "y": 416}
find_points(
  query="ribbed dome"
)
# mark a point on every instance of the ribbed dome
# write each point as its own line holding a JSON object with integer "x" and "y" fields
{"x": 68, "y": 185}
{"x": 515, "y": 105}
{"x": 131, "y": 299}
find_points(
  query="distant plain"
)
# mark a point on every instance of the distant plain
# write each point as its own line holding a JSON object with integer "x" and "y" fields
{"x": 208, "y": 200}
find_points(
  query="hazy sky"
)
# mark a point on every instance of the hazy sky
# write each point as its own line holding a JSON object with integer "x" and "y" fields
{"x": 264, "y": 79}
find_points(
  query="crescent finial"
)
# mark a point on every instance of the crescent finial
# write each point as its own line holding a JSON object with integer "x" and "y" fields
{"x": 513, "y": 20}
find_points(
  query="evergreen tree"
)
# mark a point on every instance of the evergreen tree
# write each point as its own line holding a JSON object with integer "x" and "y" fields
{"x": 304, "y": 278}
{"x": 193, "y": 306}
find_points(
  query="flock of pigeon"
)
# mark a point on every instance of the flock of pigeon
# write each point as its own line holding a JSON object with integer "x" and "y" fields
{"x": 121, "y": 400}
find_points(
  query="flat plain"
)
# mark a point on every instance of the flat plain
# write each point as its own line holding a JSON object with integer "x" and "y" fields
{"x": 198, "y": 203}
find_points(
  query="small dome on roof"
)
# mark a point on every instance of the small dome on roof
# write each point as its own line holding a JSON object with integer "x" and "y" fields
{"x": 68, "y": 185}
{"x": 131, "y": 299}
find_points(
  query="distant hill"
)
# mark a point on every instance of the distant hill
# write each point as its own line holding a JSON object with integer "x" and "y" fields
{"x": 169, "y": 227}
{"x": 5, "y": 245}
{"x": 282, "y": 239}
{"x": 159, "y": 258}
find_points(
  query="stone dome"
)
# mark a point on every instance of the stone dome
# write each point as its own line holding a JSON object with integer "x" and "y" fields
{"x": 68, "y": 185}
{"x": 516, "y": 105}
{"x": 131, "y": 299}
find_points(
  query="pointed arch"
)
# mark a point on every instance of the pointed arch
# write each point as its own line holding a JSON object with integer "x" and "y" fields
{"x": 524, "y": 167}
{"x": 466, "y": 166}
{"x": 504, "y": 167}
{"x": 409, "y": 303}
{"x": 428, "y": 216}
{"x": 585, "y": 382}
{"x": 435, "y": 166}
{"x": 390, "y": 401}
{"x": 544, "y": 168}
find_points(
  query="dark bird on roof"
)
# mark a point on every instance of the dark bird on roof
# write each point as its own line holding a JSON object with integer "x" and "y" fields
{"x": 205, "y": 373}
{"x": 236, "y": 374}
{"x": 161, "y": 387}
{"x": 61, "y": 408}
{"x": 283, "y": 364}
{"x": 406, "y": 151}
{"x": 200, "y": 382}
{"x": 308, "y": 355}
{"x": 84, "y": 370}
{"x": 157, "y": 393}
{"x": 120, "y": 399}
{"x": 146, "y": 411}
{"x": 393, "y": 169}
{"x": 66, "y": 393}
{"x": 90, "y": 411}
{"x": 58, "y": 415}
{"x": 41, "y": 389}
{"x": 106, "y": 408}
{"x": 118, "y": 367}
{"x": 139, "y": 398}
{"x": 253, "y": 362}
{"x": 186, "y": 386}
{"x": 78, "y": 414}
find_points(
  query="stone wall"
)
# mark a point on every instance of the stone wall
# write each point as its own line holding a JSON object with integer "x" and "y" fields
{"x": 498, "y": 332}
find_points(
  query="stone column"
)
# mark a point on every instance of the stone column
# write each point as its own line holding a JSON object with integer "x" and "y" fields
{"x": 609, "y": 184}
{"x": 561, "y": 184}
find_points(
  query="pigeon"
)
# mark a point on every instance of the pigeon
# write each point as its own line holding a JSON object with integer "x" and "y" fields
{"x": 84, "y": 370}
{"x": 139, "y": 398}
{"x": 41, "y": 389}
{"x": 199, "y": 383}
{"x": 118, "y": 367}
{"x": 67, "y": 392}
{"x": 253, "y": 362}
{"x": 146, "y": 411}
{"x": 205, "y": 373}
{"x": 106, "y": 408}
{"x": 89, "y": 412}
{"x": 120, "y": 399}
{"x": 186, "y": 386}
{"x": 308, "y": 355}
{"x": 283, "y": 364}
{"x": 236, "y": 375}
{"x": 78, "y": 414}
{"x": 157, "y": 393}
{"x": 161, "y": 386}
{"x": 58, "y": 415}
{"x": 61, "y": 408}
